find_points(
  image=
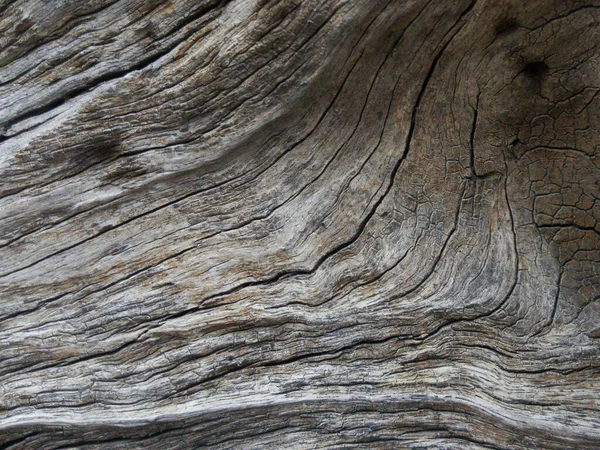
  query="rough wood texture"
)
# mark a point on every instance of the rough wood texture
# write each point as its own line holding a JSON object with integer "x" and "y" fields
{"x": 299, "y": 224}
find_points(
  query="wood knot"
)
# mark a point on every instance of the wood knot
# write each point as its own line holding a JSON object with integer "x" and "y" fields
{"x": 506, "y": 25}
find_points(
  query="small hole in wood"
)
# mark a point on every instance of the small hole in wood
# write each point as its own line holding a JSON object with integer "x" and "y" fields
{"x": 535, "y": 70}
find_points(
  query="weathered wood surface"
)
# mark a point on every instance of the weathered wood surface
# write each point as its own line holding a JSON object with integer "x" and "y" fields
{"x": 299, "y": 224}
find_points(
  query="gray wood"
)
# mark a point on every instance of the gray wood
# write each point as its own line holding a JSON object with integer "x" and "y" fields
{"x": 299, "y": 224}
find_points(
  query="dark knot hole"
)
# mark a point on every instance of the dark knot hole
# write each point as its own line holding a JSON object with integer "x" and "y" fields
{"x": 535, "y": 70}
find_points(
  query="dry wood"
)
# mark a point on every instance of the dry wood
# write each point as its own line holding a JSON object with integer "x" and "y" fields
{"x": 299, "y": 224}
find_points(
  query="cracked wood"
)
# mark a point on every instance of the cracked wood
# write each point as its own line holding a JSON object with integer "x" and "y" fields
{"x": 299, "y": 224}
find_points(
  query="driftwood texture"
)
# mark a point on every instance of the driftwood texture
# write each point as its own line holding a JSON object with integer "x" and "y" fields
{"x": 299, "y": 224}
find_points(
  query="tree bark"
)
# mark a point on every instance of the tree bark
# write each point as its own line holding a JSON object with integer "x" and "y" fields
{"x": 299, "y": 224}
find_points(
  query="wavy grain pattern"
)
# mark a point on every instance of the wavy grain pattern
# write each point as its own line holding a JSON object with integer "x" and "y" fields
{"x": 299, "y": 224}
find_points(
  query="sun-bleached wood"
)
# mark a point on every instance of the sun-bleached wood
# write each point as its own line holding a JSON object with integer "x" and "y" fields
{"x": 299, "y": 224}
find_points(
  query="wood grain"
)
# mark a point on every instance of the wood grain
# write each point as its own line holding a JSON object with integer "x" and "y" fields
{"x": 299, "y": 224}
